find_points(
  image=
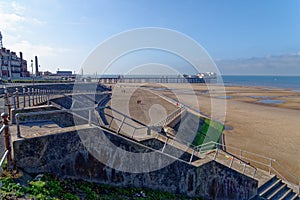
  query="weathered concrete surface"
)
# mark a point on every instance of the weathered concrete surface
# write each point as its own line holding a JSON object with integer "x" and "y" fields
{"x": 61, "y": 119}
{"x": 70, "y": 154}
{"x": 31, "y": 109}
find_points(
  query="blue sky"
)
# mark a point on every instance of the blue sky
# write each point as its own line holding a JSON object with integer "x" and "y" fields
{"x": 63, "y": 32}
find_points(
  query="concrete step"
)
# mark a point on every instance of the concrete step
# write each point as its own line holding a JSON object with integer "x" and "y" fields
{"x": 272, "y": 189}
{"x": 279, "y": 192}
{"x": 291, "y": 196}
{"x": 266, "y": 185}
{"x": 285, "y": 194}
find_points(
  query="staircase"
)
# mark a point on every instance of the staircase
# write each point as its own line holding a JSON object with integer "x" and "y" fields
{"x": 276, "y": 189}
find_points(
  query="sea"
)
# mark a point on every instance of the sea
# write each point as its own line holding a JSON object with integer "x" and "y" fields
{"x": 286, "y": 82}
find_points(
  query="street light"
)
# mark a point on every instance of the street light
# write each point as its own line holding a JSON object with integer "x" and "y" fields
{"x": 32, "y": 72}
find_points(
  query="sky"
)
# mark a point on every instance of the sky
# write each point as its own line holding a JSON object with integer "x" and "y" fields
{"x": 238, "y": 35}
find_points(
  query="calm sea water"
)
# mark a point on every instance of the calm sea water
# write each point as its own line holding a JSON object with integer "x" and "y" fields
{"x": 290, "y": 82}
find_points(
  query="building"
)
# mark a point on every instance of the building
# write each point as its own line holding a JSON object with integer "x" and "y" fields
{"x": 64, "y": 73}
{"x": 12, "y": 66}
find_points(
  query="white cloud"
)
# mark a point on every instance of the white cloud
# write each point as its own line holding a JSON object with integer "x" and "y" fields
{"x": 18, "y": 8}
{"x": 37, "y": 49}
{"x": 14, "y": 17}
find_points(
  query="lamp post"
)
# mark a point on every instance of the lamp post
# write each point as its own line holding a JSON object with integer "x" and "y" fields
{"x": 32, "y": 72}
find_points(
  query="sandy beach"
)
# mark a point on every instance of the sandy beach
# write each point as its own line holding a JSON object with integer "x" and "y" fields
{"x": 271, "y": 130}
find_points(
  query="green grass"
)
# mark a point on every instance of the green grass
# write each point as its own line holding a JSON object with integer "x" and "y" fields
{"x": 51, "y": 187}
{"x": 209, "y": 131}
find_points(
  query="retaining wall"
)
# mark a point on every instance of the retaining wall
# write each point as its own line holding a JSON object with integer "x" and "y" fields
{"x": 69, "y": 155}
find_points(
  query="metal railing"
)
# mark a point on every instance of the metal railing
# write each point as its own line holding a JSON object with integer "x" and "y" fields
{"x": 27, "y": 98}
{"x": 267, "y": 164}
{"x": 169, "y": 118}
{"x": 196, "y": 152}
{"x": 7, "y": 152}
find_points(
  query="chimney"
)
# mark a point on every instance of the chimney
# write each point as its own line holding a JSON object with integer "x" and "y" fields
{"x": 21, "y": 58}
{"x": 21, "y": 62}
{"x": 36, "y": 66}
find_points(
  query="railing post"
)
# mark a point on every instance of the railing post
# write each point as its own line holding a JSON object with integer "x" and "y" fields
{"x": 244, "y": 168}
{"x": 29, "y": 98}
{"x": 40, "y": 95}
{"x": 216, "y": 154}
{"x": 162, "y": 150}
{"x": 37, "y": 96}
{"x": 90, "y": 117}
{"x": 191, "y": 159}
{"x": 32, "y": 94}
{"x": 24, "y": 97}
{"x": 7, "y": 102}
{"x": 18, "y": 126}
{"x": 133, "y": 132}
{"x": 231, "y": 161}
{"x": 48, "y": 99}
{"x": 14, "y": 99}
{"x": 254, "y": 173}
{"x": 4, "y": 117}
{"x": 17, "y": 96}
{"x": 270, "y": 166}
{"x": 119, "y": 129}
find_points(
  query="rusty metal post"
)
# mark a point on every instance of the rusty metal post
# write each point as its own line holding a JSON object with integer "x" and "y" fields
{"x": 17, "y": 97}
{"x": 24, "y": 97}
{"x": 32, "y": 93}
{"x": 38, "y": 96}
{"x": 7, "y": 103}
{"x": 48, "y": 99}
{"x": 4, "y": 117}
{"x": 43, "y": 95}
{"x": 29, "y": 98}
{"x": 14, "y": 98}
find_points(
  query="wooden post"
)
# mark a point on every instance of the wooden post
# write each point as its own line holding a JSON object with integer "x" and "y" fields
{"x": 4, "y": 117}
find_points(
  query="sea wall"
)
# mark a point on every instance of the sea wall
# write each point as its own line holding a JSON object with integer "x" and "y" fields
{"x": 71, "y": 154}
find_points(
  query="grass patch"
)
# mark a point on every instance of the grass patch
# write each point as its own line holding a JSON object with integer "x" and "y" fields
{"x": 51, "y": 187}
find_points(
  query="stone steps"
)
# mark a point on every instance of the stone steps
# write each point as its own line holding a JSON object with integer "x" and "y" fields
{"x": 276, "y": 189}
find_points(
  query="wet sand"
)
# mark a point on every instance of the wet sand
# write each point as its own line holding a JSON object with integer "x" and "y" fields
{"x": 272, "y": 130}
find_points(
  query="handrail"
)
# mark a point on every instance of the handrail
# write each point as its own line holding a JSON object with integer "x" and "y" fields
{"x": 270, "y": 166}
{"x": 144, "y": 125}
{"x": 170, "y": 116}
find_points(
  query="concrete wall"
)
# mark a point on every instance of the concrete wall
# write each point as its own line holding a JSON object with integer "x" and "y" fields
{"x": 67, "y": 155}
{"x": 61, "y": 119}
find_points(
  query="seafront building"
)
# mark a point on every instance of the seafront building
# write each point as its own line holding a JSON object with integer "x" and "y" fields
{"x": 11, "y": 66}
